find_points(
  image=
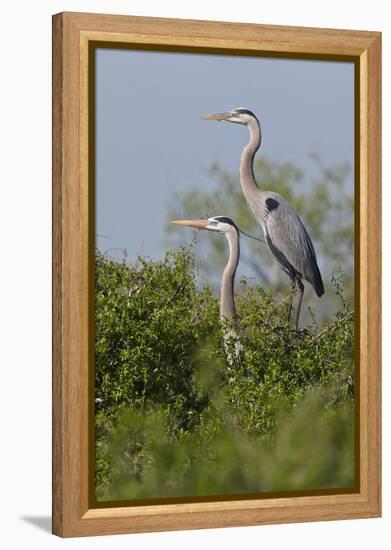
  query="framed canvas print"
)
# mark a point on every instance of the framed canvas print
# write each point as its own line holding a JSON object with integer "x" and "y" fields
{"x": 216, "y": 294}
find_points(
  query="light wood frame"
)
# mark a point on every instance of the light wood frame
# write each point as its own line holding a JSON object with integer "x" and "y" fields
{"x": 72, "y": 34}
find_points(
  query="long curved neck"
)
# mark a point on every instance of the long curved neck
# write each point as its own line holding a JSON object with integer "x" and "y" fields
{"x": 227, "y": 301}
{"x": 247, "y": 178}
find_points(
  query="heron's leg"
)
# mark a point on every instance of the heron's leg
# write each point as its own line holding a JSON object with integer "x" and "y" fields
{"x": 293, "y": 285}
{"x": 299, "y": 300}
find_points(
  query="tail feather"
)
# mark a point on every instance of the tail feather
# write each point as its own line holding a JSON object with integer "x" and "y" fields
{"x": 317, "y": 282}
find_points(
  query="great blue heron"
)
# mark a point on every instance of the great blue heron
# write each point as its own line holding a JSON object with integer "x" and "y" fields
{"x": 228, "y": 314}
{"x": 285, "y": 235}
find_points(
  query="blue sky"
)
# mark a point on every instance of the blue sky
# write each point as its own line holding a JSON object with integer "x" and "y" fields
{"x": 151, "y": 141}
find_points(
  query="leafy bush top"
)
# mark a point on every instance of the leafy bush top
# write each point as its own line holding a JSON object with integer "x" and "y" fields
{"x": 175, "y": 418}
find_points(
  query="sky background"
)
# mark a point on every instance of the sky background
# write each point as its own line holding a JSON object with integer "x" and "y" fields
{"x": 151, "y": 142}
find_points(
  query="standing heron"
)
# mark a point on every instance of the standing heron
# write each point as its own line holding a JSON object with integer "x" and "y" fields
{"x": 286, "y": 237}
{"x": 225, "y": 225}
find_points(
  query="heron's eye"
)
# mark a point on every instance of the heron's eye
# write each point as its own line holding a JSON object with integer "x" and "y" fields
{"x": 213, "y": 222}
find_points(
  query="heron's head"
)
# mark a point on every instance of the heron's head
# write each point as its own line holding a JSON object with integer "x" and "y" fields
{"x": 221, "y": 224}
{"x": 240, "y": 115}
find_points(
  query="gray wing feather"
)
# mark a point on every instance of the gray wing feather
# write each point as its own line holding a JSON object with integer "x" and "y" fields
{"x": 286, "y": 233}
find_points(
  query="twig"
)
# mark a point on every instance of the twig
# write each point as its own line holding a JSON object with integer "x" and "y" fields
{"x": 178, "y": 289}
{"x": 331, "y": 328}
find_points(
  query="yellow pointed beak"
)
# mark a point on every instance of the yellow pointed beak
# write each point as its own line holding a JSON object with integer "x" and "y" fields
{"x": 217, "y": 116}
{"x": 198, "y": 224}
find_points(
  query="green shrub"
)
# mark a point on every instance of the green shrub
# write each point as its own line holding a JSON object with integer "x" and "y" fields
{"x": 150, "y": 318}
{"x": 175, "y": 418}
{"x": 312, "y": 449}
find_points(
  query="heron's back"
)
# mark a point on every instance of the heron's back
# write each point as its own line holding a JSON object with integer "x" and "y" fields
{"x": 287, "y": 238}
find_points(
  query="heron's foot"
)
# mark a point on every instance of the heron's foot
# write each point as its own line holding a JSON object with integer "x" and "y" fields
{"x": 300, "y": 331}
{"x": 281, "y": 328}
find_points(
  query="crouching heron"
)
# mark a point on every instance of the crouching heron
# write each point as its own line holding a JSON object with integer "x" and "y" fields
{"x": 228, "y": 315}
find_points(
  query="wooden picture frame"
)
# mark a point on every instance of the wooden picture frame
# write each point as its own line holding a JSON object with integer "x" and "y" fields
{"x": 74, "y": 36}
